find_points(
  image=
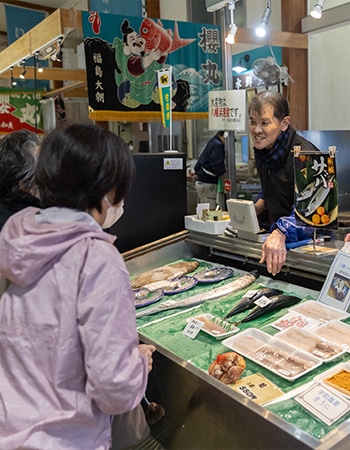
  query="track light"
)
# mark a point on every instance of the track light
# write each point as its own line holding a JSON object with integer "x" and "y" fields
{"x": 13, "y": 81}
{"x": 316, "y": 11}
{"x": 261, "y": 30}
{"x": 37, "y": 62}
{"x": 60, "y": 51}
{"x": 22, "y": 75}
{"x": 230, "y": 38}
{"x": 240, "y": 68}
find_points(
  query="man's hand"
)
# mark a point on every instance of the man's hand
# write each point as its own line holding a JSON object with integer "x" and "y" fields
{"x": 147, "y": 350}
{"x": 274, "y": 252}
{"x": 347, "y": 238}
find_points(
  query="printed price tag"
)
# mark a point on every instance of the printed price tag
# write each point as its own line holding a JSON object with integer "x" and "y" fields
{"x": 250, "y": 293}
{"x": 324, "y": 403}
{"x": 284, "y": 372}
{"x": 193, "y": 328}
{"x": 262, "y": 301}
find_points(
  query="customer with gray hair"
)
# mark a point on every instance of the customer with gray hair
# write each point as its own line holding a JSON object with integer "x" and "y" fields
{"x": 18, "y": 156}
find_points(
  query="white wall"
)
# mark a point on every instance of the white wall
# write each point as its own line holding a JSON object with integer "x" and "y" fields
{"x": 173, "y": 10}
{"x": 329, "y": 68}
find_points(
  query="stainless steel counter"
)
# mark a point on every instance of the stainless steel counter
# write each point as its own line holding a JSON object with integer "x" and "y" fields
{"x": 249, "y": 251}
{"x": 201, "y": 412}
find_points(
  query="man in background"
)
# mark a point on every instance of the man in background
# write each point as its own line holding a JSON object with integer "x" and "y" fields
{"x": 210, "y": 166}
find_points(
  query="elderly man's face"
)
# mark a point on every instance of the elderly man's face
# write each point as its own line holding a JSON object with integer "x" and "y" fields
{"x": 266, "y": 128}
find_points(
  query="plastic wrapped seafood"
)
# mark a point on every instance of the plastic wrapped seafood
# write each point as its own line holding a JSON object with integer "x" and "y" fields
{"x": 337, "y": 332}
{"x": 318, "y": 311}
{"x": 314, "y": 345}
{"x": 277, "y": 356}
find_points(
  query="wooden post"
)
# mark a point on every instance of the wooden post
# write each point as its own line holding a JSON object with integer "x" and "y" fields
{"x": 152, "y": 7}
{"x": 297, "y": 62}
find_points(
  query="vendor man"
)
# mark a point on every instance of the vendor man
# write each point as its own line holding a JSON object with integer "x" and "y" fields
{"x": 273, "y": 139}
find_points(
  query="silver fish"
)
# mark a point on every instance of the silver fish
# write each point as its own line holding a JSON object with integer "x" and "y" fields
{"x": 307, "y": 192}
{"x": 213, "y": 294}
{"x": 163, "y": 273}
{"x": 318, "y": 198}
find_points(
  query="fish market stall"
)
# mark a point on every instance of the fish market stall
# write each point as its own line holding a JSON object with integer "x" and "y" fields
{"x": 203, "y": 412}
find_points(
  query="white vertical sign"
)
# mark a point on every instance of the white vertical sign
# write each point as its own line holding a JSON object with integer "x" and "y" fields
{"x": 227, "y": 110}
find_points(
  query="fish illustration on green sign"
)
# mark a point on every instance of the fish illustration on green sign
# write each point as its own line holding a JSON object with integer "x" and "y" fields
{"x": 316, "y": 189}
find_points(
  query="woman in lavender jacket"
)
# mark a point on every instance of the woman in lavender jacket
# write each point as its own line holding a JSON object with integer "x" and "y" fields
{"x": 69, "y": 353}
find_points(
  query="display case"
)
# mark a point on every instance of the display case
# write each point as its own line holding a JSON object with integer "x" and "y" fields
{"x": 202, "y": 412}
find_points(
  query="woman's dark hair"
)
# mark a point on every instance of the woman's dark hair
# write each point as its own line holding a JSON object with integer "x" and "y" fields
{"x": 79, "y": 164}
{"x": 17, "y": 163}
{"x": 275, "y": 99}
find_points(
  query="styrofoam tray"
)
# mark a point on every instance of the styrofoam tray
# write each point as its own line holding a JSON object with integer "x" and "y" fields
{"x": 251, "y": 341}
{"x": 324, "y": 309}
{"x": 330, "y": 328}
{"x": 323, "y": 376}
{"x": 207, "y": 226}
{"x": 306, "y": 337}
{"x": 217, "y": 335}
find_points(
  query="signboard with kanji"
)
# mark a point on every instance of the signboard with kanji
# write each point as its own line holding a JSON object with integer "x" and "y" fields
{"x": 18, "y": 111}
{"x": 316, "y": 190}
{"x": 124, "y": 53}
{"x": 227, "y": 110}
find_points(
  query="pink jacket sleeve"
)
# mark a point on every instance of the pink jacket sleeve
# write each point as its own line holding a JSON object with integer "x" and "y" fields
{"x": 116, "y": 373}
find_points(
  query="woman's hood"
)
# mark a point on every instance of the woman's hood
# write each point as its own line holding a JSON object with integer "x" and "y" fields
{"x": 27, "y": 248}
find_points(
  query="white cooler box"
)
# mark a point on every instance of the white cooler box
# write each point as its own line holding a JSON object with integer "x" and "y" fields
{"x": 208, "y": 226}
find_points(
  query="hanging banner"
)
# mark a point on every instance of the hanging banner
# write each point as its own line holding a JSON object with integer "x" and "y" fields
{"x": 316, "y": 189}
{"x": 164, "y": 85}
{"x": 18, "y": 110}
{"x": 227, "y": 110}
{"x": 123, "y": 55}
{"x": 121, "y": 7}
{"x": 18, "y": 22}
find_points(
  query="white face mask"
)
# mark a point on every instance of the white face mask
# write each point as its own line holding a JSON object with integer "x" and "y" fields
{"x": 114, "y": 213}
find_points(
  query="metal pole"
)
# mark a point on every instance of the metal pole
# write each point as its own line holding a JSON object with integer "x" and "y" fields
{"x": 35, "y": 99}
{"x": 228, "y": 85}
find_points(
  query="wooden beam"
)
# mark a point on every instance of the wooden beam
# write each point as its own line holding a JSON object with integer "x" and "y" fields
{"x": 275, "y": 38}
{"x": 46, "y": 32}
{"x": 296, "y": 61}
{"x": 71, "y": 18}
{"x": 153, "y": 10}
{"x": 71, "y": 87}
{"x": 30, "y": 6}
{"x": 49, "y": 73}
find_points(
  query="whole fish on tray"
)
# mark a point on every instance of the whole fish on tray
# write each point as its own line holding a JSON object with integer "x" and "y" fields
{"x": 276, "y": 303}
{"x": 163, "y": 273}
{"x": 248, "y": 302}
{"x": 213, "y": 294}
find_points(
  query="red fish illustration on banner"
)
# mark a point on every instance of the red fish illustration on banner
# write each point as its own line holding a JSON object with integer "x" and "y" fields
{"x": 94, "y": 18}
{"x": 157, "y": 37}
